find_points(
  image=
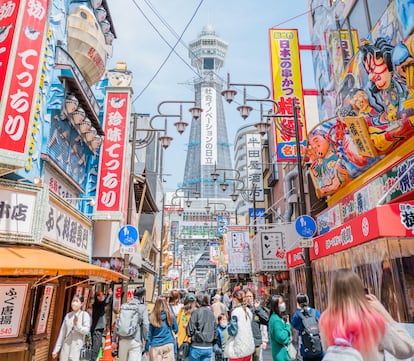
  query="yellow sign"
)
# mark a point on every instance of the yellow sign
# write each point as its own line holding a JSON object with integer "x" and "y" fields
{"x": 287, "y": 85}
{"x": 358, "y": 130}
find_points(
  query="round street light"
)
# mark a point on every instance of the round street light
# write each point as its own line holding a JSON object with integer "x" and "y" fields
{"x": 165, "y": 141}
{"x": 229, "y": 95}
{"x": 262, "y": 127}
{"x": 181, "y": 126}
{"x": 195, "y": 112}
{"x": 244, "y": 110}
{"x": 224, "y": 186}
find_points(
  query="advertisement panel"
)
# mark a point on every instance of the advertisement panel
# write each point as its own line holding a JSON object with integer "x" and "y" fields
{"x": 111, "y": 184}
{"x": 254, "y": 167}
{"x": 24, "y": 29}
{"x": 12, "y": 299}
{"x": 208, "y": 126}
{"x": 287, "y": 85}
{"x": 238, "y": 249}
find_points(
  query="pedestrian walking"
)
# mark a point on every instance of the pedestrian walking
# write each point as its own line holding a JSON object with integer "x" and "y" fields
{"x": 76, "y": 324}
{"x": 240, "y": 345}
{"x": 183, "y": 317}
{"x": 131, "y": 328}
{"x": 202, "y": 330}
{"x": 99, "y": 320}
{"x": 260, "y": 317}
{"x": 223, "y": 337}
{"x": 162, "y": 326}
{"x": 306, "y": 320}
{"x": 358, "y": 321}
{"x": 217, "y": 306}
{"x": 280, "y": 334}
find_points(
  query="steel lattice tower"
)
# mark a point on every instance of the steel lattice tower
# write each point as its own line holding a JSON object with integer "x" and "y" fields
{"x": 208, "y": 143}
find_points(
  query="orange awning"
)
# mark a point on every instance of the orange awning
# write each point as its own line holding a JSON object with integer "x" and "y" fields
{"x": 30, "y": 261}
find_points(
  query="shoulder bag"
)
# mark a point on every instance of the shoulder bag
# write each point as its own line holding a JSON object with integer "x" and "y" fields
{"x": 85, "y": 351}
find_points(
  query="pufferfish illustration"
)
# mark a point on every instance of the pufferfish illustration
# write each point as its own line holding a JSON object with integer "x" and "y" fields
{"x": 117, "y": 103}
{"x": 4, "y": 32}
{"x": 31, "y": 34}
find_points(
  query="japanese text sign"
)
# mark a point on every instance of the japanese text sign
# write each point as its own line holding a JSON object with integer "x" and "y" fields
{"x": 287, "y": 85}
{"x": 21, "y": 52}
{"x": 208, "y": 126}
{"x": 12, "y": 300}
{"x": 111, "y": 168}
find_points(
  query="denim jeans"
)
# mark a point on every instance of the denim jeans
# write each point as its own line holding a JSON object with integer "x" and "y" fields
{"x": 200, "y": 354}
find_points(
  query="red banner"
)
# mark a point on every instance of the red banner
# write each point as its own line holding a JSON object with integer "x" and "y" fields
{"x": 19, "y": 93}
{"x": 111, "y": 168}
{"x": 390, "y": 220}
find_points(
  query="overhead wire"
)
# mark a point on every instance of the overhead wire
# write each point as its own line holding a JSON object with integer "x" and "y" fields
{"x": 172, "y": 48}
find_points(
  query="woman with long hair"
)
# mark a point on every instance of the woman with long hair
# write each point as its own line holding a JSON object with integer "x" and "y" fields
{"x": 354, "y": 318}
{"x": 240, "y": 344}
{"x": 280, "y": 334}
{"x": 184, "y": 315}
{"x": 160, "y": 339}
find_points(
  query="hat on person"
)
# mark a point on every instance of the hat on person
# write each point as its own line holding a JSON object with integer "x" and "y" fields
{"x": 190, "y": 297}
{"x": 217, "y": 297}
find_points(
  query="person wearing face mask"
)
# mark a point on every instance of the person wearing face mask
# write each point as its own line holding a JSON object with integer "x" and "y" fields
{"x": 75, "y": 326}
{"x": 260, "y": 317}
{"x": 222, "y": 325}
{"x": 99, "y": 319}
{"x": 280, "y": 334}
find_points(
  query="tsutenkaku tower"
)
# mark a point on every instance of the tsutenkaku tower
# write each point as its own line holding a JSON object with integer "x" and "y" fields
{"x": 208, "y": 145}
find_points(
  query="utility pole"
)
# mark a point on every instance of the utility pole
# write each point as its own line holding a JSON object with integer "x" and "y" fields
{"x": 131, "y": 199}
{"x": 302, "y": 205}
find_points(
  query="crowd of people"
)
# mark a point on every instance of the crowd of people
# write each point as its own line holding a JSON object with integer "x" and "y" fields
{"x": 237, "y": 327}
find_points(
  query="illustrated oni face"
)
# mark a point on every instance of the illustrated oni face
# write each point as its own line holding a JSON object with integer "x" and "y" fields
{"x": 378, "y": 71}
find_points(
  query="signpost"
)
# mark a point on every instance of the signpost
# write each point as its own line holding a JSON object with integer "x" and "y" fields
{"x": 305, "y": 226}
{"x": 128, "y": 235}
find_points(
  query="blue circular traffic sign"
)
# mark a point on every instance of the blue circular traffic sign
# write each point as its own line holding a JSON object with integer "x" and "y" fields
{"x": 305, "y": 226}
{"x": 128, "y": 235}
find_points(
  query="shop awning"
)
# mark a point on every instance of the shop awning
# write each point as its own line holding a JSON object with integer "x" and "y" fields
{"x": 30, "y": 261}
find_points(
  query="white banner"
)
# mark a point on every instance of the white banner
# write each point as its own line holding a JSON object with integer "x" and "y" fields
{"x": 16, "y": 212}
{"x": 12, "y": 299}
{"x": 269, "y": 247}
{"x": 254, "y": 166}
{"x": 238, "y": 249}
{"x": 208, "y": 126}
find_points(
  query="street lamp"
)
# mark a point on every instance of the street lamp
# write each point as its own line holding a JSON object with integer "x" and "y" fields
{"x": 165, "y": 141}
{"x": 180, "y": 125}
{"x": 262, "y": 127}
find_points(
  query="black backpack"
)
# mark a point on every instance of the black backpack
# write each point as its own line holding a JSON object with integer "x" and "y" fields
{"x": 311, "y": 338}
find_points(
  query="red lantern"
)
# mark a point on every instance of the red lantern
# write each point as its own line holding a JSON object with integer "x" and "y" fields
{"x": 284, "y": 275}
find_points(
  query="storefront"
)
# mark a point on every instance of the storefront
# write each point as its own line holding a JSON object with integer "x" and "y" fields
{"x": 378, "y": 245}
{"x": 36, "y": 287}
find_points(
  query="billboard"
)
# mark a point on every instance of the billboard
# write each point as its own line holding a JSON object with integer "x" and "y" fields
{"x": 208, "y": 126}
{"x": 111, "y": 183}
{"x": 287, "y": 85}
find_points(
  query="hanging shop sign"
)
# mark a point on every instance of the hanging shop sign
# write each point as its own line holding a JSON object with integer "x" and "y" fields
{"x": 287, "y": 85}
{"x": 238, "y": 249}
{"x": 12, "y": 300}
{"x": 363, "y": 228}
{"x": 111, "y": 181}
{"x": 23, "y": 27}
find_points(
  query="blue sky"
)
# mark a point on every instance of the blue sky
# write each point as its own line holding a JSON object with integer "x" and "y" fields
{"x": 243, "y": 24}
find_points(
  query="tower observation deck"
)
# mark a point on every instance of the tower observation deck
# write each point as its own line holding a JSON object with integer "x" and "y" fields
{"x": 208, "y": 145}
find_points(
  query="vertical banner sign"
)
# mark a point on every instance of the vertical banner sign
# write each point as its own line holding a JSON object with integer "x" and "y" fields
{"x": 238, "y": 247}
{"x": 254, "y": 167}
{"x": 287, "y": 85}
{"x": 21, "y": 51}
{"x": 208, "y": 126}
{"x": 44, "y": 309}
{"x": 111, "y": 168}
{"x": 12, "y": 299}
{"x": 341, "y": 48}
